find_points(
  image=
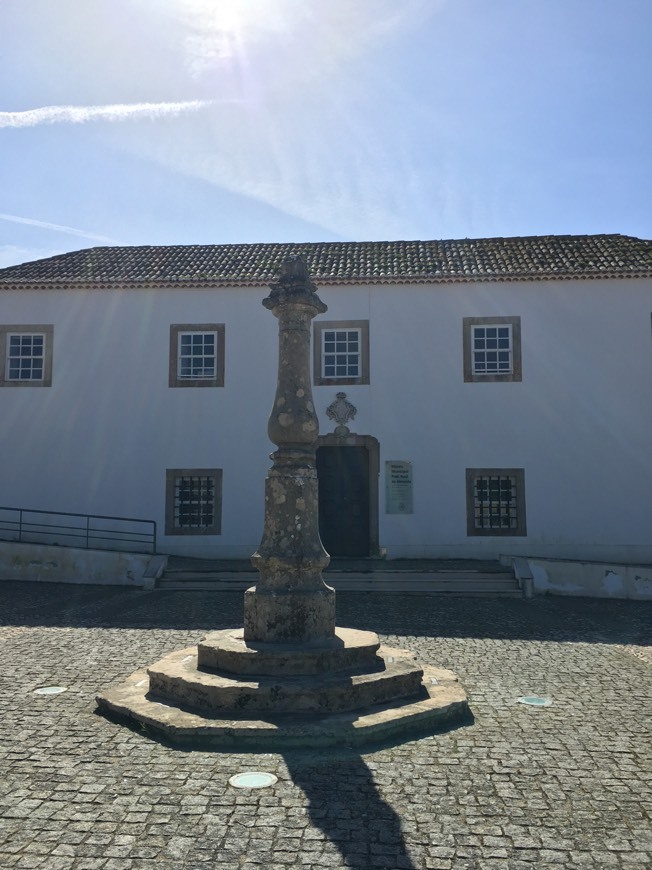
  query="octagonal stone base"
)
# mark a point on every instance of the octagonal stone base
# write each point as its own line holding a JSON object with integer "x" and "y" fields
{"x": 345, "y": 691}
{"x": 443, "y": 701}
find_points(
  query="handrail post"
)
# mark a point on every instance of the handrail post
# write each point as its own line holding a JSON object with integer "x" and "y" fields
{"x": 88, "y": 521}
{"x": 20, "y": 525}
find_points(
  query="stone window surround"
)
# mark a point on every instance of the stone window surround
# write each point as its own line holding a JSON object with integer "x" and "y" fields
{"x": 175, "y": 330}
{"x": 46, "y": 330}
{"x": 469, "y": 375}
{"x": 521, "y": 525}
{"x": 318, "y": 328}
{"x": 171, "y": 475}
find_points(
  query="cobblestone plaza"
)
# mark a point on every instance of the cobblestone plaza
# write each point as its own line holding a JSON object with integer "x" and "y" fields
{"x": 569, "y": 785}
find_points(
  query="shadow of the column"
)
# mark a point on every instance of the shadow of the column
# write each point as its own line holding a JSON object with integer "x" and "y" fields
{"x": 345, "y": 804}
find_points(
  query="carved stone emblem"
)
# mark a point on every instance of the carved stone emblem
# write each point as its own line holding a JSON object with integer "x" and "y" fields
{"x": 341, "y": 411}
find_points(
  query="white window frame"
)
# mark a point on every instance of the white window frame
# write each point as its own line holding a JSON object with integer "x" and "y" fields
{"x": 341, "y": 356}
{"x": 197, "y": 341}
{"x": 22, "y": 331}
{"x": 489, "y": 359}
{"x": 321, "y": 352}
{"x": 176, "y": 376}
{"x": 475, "y": 372}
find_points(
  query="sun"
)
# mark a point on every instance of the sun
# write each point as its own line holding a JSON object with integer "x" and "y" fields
{"x": 228, "y": 16}
{"x": 233, "y": 17}
{"x": 223, "y": 30}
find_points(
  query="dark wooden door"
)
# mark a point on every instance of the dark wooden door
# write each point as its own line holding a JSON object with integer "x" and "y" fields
{"x": 343, "y": 474}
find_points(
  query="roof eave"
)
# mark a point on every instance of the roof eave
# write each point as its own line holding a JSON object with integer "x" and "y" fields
{"x": 210, "y": 283}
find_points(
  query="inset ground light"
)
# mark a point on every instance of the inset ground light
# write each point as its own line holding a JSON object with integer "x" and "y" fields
{"x": 253, "y": 779}
{"x": 535, "y": 701}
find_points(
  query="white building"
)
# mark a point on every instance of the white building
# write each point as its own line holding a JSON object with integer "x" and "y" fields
{"x": 502, "y": 390}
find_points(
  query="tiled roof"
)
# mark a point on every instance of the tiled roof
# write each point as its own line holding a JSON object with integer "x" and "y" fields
{"x": 510, "y": 259}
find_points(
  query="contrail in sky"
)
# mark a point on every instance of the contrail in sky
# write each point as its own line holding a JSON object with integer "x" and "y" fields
{"x": 83, "y": 114}
{"x": 60, "y": 228}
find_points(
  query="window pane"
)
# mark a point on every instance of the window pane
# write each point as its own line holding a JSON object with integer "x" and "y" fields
{"x": 341, "y": 353}
{"x": 25, "y": 357}
{"x": 492, "y": 350}
{"x": 197, "y": 356}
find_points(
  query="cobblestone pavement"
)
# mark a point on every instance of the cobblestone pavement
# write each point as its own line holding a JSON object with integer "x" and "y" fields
{"x": 568, "y": 785}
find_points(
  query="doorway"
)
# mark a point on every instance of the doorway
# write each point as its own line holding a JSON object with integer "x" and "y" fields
{"x": 345, "y": 500}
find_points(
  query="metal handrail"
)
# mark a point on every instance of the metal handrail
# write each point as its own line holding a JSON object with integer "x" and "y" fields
{"x": 85, "y": 532}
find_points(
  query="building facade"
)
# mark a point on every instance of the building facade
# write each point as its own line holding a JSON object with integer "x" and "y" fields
{"x": 476, "y": 398}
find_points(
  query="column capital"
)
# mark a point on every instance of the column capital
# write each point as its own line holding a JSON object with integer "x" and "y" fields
{"x": 294, "y": 287}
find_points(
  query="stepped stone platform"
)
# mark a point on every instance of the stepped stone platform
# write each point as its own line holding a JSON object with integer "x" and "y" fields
{"x": 228, "y": 693}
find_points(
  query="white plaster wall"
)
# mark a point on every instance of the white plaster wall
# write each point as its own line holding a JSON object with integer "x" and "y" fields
{"x": 591, "y": 579}
{"x": 47, "y": 564}
{"x": 580, "y": 423}
{"x": 100, "y": 439}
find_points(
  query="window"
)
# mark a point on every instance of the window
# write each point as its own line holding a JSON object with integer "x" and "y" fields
{"x": 341, "y": 352}
{"x": 492, "y": 349}
{"x": 193, "y": 501}
{"x": 197, "y": 355}
{"x": 495, "y": 501}
{"x": 26, "y": 356}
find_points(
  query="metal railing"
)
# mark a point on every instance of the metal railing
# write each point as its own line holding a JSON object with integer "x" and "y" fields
{"x": 87, "y": 531}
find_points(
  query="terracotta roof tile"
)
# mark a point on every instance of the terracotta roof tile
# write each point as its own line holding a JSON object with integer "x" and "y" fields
{"x": 499, "y": 259}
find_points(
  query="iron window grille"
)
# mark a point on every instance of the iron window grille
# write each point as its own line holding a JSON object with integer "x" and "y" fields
{"x": 193, "y": 502}
{"x": 496, "y": 502}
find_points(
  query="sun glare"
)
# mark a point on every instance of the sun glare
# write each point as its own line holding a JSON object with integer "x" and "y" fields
{"x": 233, "y": 17}
{"x": 221, "y": 29}
{"x": 228, "y": 16}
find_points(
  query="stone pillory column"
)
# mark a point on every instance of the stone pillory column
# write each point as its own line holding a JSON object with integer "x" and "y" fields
{"x": 291, "y": 603}
{"x": 290, "y": 678}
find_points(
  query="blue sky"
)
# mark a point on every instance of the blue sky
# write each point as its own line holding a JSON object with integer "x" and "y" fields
{"x": 215, "y": 121}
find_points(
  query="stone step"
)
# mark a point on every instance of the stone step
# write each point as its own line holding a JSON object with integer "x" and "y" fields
{"x": 341, "y": 565}
{"x": 427, "y": 583}
{"x": 463, "y": 583}
{"x": 349, "y": 650}
{"x": 175, "y": 679}
{"x": 441, "y": 700}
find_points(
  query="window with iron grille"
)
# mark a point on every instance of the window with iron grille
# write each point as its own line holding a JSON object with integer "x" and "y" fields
{"x": 495, "y": 501}
{"x": 26, "y": 356}
{"x": 193, "y": 501}
{"x": 492, "y": 349}
{"x": 197, "y": 355}
{"x": 341, "y": 352}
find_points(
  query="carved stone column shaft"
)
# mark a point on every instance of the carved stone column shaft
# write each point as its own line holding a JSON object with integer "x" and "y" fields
{"x": 291, "y": 603}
